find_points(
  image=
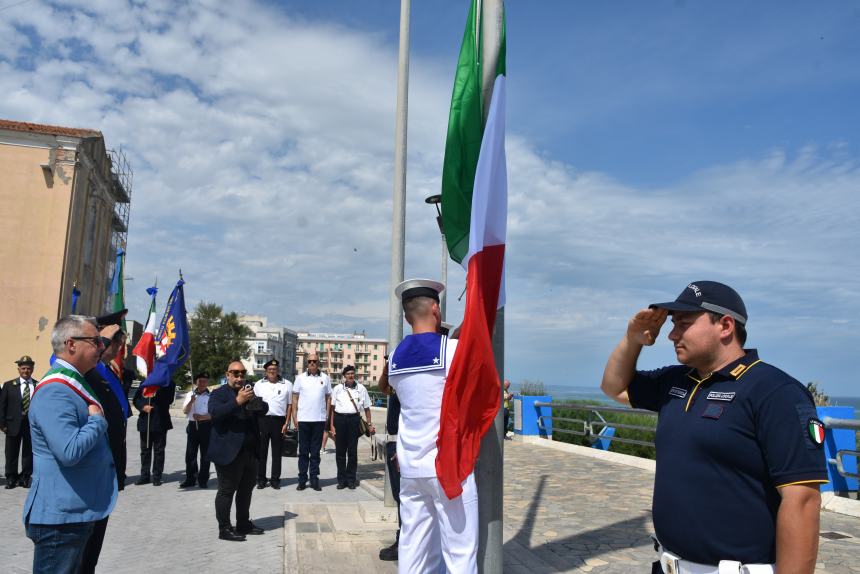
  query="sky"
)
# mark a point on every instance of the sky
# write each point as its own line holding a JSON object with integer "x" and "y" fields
{"x": 649, "y": 145}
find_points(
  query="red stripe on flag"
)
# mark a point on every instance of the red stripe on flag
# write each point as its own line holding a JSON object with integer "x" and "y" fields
{"x": 472, "y": 391}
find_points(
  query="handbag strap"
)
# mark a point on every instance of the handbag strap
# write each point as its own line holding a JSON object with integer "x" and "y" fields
{"x": 345, "y": 388}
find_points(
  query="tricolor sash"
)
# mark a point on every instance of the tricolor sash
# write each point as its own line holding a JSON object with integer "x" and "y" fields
{"x": 72, "y": 379}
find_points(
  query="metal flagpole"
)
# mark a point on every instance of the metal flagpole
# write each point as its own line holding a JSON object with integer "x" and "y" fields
{"x": 398, "y": 216}
{"x": 490, "y": 466}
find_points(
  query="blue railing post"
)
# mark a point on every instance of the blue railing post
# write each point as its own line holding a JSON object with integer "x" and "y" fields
{"x": 526, "y": 421}
{"x": 835, "y": 440}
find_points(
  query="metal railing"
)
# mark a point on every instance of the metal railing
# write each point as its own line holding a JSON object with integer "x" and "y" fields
{"x": 847, "y": 424}
{"x": 593, "y": 426}
{"x": 378, "y": 399}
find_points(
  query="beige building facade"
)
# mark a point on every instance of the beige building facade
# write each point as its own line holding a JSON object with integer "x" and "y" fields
{"x": 337, "y": 350}
{"x": 65, "y": 211}
{"x": 269, "y": 342}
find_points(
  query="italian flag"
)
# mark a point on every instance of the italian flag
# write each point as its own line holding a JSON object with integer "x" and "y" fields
{"x": 474, "y": 214}
{"x": 145, "y": 348}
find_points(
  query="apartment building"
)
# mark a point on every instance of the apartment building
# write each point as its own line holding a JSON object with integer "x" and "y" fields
{"x": 65, "y": 200}
{"x": 336, "y": 350}
{"x": 269, "y": 342}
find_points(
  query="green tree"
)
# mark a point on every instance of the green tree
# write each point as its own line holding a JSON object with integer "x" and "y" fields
{"x": 818, "y": 395}
{"x": 216, "y": 339}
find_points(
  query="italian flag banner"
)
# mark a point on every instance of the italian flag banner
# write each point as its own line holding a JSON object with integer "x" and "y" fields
{"x": 145, "y": 348}
{"x": 474, "y": 214}
{"x": 72, "y": 379}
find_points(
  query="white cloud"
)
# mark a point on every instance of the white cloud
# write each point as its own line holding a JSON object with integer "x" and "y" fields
{"x": 263, "y": 157}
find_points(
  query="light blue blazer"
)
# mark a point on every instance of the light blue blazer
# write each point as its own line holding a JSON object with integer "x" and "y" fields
{"x": 74, "y": 479}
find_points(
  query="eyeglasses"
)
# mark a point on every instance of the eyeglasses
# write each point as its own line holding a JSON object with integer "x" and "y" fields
{"x": 312, "y": 361}
{"x": 96, "y": 341}
{"x": 237, "y": 373}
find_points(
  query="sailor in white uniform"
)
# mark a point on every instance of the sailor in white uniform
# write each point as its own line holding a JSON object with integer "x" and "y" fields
{"x": 435, "y": 531}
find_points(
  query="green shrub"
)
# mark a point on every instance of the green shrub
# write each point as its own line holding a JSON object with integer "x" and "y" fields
{"x": 584, "y": 414}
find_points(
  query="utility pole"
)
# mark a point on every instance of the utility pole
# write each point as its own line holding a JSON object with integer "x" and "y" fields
{"x": 490, "y": 467}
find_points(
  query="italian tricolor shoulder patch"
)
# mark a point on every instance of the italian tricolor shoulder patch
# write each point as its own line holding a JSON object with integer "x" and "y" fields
{"x": 816, "y": 431}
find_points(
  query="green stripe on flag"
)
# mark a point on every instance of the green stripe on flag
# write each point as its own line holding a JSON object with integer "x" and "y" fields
{"x": 465, "y": 130}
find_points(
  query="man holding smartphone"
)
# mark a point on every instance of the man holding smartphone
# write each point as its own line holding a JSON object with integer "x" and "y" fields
{"x": 233, "y": 448}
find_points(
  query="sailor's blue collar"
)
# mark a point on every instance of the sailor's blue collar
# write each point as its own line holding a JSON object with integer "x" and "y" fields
{"x": 418, "y": 353}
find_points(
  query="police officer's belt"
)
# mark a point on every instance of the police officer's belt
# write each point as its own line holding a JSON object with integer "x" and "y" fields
{"x": 672, "y": 564}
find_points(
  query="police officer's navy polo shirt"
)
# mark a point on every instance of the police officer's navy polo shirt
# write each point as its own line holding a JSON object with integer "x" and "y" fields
{"x": 724, "y": 445}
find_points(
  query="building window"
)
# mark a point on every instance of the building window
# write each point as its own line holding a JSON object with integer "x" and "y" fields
{"x": 349, "y": 345}
{"x": 375, "y": 347}
{"x": 375, "y": 357}
{"x": 258, "y": 364}
{"x": 261, "y": 346}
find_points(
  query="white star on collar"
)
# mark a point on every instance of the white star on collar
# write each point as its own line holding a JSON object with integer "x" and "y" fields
{"x": 393, "y": 366}
{"x": 435, "y": 360}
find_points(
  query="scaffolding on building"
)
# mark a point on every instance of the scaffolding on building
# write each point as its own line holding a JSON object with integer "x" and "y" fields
{"x": 122, "y": 177}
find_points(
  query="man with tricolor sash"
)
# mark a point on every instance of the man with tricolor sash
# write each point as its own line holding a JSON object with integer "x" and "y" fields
{"x": 74, "y": 480}
{"x": 739, "y": 444}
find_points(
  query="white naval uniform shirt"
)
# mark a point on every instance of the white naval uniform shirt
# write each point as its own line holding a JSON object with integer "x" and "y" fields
{"x": 340, "y": 399}
{"x": 277, "y": 396}
{"x": 312, "y": 391}
{"x": 201, "y": 405}
{"x": 420, "y": 395}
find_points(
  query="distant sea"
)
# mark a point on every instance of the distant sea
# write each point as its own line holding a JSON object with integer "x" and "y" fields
{"x": 571, "y": 393}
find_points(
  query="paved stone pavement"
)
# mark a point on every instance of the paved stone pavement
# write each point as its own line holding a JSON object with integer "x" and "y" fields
{"x": 563, "y": 513}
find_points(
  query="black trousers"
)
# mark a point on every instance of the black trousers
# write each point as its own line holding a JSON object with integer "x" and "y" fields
{"x": 310, "y": 442}
{"x": 237, "y": 478}
{"x": 197, "y": 442}
{"x": 153, "y": 453}
{"x": 270, "y": 432}
{"x": 346, "y": 446}
{"x": 19, "y": 443}
{"x": 93, "y": 547}
{"x": 393, "y": 477}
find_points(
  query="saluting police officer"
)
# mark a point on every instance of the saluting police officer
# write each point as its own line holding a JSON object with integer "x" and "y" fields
{"x": 198, "y": 431}
{"x": 739, "y": 458}
{"x": 277, "y": 393}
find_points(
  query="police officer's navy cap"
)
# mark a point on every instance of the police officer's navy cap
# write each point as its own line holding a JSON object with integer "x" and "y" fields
{"x": 348, "y": 369}
{"x": 412, "y": 288}
{"x": 272, "y": 363}
{"x": 708, "y": 296}
{"x": 25, "y": 360}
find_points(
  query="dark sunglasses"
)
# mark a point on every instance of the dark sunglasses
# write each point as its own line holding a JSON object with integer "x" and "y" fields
{"x": 313, "y": 361}
{"x": 241, "y": 373}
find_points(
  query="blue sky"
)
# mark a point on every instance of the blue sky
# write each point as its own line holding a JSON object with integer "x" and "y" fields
{"x": 649, "y": 145}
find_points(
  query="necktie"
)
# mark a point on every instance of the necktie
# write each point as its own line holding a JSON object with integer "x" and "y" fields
{"x": 25, "y": 399}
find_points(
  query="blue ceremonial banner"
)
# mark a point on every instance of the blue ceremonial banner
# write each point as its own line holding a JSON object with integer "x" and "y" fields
{"x": 75, "y": 296}
{"x": 172, "y": 346}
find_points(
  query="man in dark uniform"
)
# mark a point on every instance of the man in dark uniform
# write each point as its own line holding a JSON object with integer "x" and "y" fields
{"x": 739, "y": 457}
{"x": 153, "y": 424}
{"x": 108, "y": 391}
{"x": 233, "y": 447}
{"x": 14, "y": 422}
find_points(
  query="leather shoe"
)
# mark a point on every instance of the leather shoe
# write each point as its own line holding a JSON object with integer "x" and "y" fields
{"x": 389, "y": 554}
{"x": 142, "y": 480}
{"x": 341, "y": 485}
{"x": 187, "y": 483}
{"x": 352, "y": 485}
{"x": 204, "y": 484}
{"x": 11, "y": 483}
{"x": 230, "y": 535}
{"x": 156, "y": 481}
{"x": 25, "y": 482}
{"x": 315, "y": 484}
{"x": 249, "y": 529}
{"x": 276, "y": 484}
{"x": 261, "y": 484}
{"x": 301, "y": 486}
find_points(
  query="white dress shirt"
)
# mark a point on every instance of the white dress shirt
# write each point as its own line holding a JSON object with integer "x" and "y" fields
{"x": 201, "y": 405}
{"x": 312, "y": 391}
{"x": 29, "y": 384}
{"x": 340, "y": 399}
{"x": 277, "y": 395}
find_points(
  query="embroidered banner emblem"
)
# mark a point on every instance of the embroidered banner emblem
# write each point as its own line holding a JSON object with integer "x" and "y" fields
{"x": 721, "y": 396}
{"x": 678, "y": 392}
{"x": 816, "y": 431}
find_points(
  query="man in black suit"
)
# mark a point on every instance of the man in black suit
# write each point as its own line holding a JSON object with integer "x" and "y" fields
{"x": 233, "y": 447}
{"x": 153, "y": 424}
{"x": 14, "y": 406}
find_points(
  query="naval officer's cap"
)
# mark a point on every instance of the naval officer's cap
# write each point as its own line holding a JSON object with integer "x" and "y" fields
{"x": 412, "y": 288}
{"x": 25, "y": 360}
{"x": 272, "y": 363}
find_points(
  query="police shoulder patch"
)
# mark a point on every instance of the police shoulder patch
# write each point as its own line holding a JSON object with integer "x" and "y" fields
{"x": 815, "y": 428}
{"x": 678, "y": 392}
